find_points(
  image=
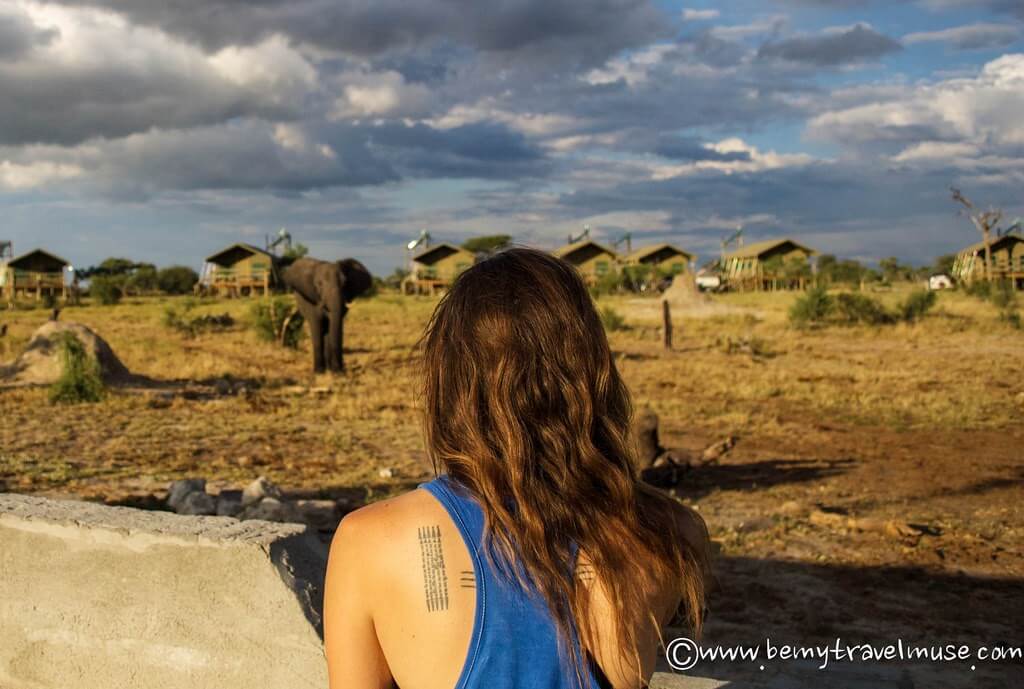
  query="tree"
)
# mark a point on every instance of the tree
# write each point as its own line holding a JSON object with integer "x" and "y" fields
{"x": 984, "y": 221}
{"x": 297, "y": 250}
{"x": 487, "y": 243}
{"x": 894, "y": 271}
{"x": 176, "y": 279}
{"x": 142, "y": 279}
{"x": 944, "y": 264}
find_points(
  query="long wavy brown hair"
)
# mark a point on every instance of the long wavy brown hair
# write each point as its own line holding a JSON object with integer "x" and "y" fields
{"x": 525, "y": 408}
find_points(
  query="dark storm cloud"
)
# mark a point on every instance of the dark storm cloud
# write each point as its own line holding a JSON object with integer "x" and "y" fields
{"x": 19, "y": 35}
{"x": 815, "y": 197}
{"x": 239, "y": 157}
{"x": 831, "y": 49}
{"x": 72, "y": 106}
{"x": 480, "y": 150}
{"x": 370, "y": 27}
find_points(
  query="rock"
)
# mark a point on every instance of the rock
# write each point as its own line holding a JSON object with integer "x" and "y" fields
{"x": 259, "y": 489}
{"x": 41, "y": 363}
{"x": 244, "y": 461}
{"x": 271, "y": 510}
{"x": 715, "y": 452}
{"x": 828, "y": 520}
{"x": 197, "y": 504}
{"x": 386, "y": 473}
{"x": 320, "y": 514}
{"x": 229, "y": 503}
{"x": 179, "y": 490}
{"x": 792, "y": 508}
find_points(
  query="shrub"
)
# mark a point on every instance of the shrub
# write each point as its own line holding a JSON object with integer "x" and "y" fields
{"x": 277, "y": 321}
{"x": 612, "y": 319}
{"x": 176, "y": 280}
{"x": 859, "y": 308}
{"x": 190, "y": 327}
{"x": 105, "y": 290}
{"x": 80, "y": 380}
{"x": 811, "y": 308}
{"x": 916, "y": 305}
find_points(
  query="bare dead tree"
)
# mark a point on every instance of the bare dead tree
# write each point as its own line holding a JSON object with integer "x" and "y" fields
{"x": 985, "y": 221}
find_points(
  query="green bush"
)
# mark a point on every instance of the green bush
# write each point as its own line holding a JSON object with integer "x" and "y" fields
{"x": 612, "y": 319}
{"x": 811, "y": 308}
{"x": 105, "y": 290}
{"x": 859, "y": 308}
{"x": 191, "y": 327}
{"x": 269, "y": 318}
{"x": 80, "y": 379}
{"x": 916, "y": 305}
{"x": 176, "y": 280}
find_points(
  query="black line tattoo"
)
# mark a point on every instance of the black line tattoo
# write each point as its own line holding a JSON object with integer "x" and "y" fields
{"x": 435, "y": 578}
{"x": 467, "y": 579}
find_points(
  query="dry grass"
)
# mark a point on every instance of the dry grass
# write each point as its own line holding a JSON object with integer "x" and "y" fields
{"x": 957, "y": 369}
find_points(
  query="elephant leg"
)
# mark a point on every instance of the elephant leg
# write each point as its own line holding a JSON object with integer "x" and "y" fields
{"x": 312, "y": 315}
{"x": 332, "y": 342}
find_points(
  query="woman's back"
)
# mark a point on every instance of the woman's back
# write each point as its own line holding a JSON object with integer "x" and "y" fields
{"x": 423, "y": 600}
{"x": 524, "y": 408}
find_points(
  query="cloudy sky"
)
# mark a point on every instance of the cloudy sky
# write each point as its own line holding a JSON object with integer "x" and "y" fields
{"x": 162, "y": 131}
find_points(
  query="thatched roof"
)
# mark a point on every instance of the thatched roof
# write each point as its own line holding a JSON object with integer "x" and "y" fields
{"x": 759, "y": 248}
{"x": 36, "y": 257}
{"x": 231, "y": 255}
{"x": 566, "y": 252}
{"x": 438, "y": 252}
{"x": 640, "y": 254}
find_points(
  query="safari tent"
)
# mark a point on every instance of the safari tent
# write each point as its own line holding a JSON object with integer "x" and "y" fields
{"x": 768, "y": 265}
{"x": 665, "y": 259}
{"x": 239, "y": 270}
{"x": 591, "y": 259}
{"x": 436, "y": 267}
{"x": 1007, "y": 260}
{"x": 37, "y": 273}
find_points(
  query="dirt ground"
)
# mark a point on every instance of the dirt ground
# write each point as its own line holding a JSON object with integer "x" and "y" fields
{"x": 841, "y": 432}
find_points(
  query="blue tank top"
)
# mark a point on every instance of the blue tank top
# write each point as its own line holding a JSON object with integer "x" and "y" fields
{"x": 514, "y": 644}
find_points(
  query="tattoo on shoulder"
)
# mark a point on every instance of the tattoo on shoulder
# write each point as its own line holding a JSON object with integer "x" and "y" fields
{"x": 435, "y": 578}
{"x": 467, "y": 579}
{"x": 585, "y": 572}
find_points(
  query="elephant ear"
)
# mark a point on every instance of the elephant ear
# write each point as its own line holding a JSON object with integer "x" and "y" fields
{"x": 357, "y": 278}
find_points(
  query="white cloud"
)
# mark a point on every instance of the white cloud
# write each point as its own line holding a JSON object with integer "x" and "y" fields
{"x": 983, "y": 111}
{"x": 273, "y": 67}
{"x": 379, "y": 94}
{"x": 633, "y": 69}
{"x": 692, "y": 15}
{"x": 969, "y": 37}
{"x": 21, "y": 176}
{"x": 756, "y": 161}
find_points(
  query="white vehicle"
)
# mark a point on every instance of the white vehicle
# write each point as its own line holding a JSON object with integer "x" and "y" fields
{"x": 709, "y": 282}
{"x": 940, "y": 281}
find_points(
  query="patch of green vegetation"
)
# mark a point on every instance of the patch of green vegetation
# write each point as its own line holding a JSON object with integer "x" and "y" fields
{"x": 612, "y": 319}
{"x": 277, "y": 320}
{"x": 80, "y": 380}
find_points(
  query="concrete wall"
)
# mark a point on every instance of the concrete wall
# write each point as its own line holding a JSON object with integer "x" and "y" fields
{"x": 112, "y": 597}
{"x": 95, "y": 597}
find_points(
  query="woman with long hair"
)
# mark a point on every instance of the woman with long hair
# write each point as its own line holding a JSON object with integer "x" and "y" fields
{"x": 536, "y": 559}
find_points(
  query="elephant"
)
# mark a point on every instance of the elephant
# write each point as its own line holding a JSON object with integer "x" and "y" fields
{"x": 323, "y": 290}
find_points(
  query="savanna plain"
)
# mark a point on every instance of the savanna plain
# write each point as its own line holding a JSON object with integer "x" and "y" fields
{"x": 875, "y": 490}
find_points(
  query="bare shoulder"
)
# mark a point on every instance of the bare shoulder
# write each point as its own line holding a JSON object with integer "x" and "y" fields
{"x": 370, "y": 529}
